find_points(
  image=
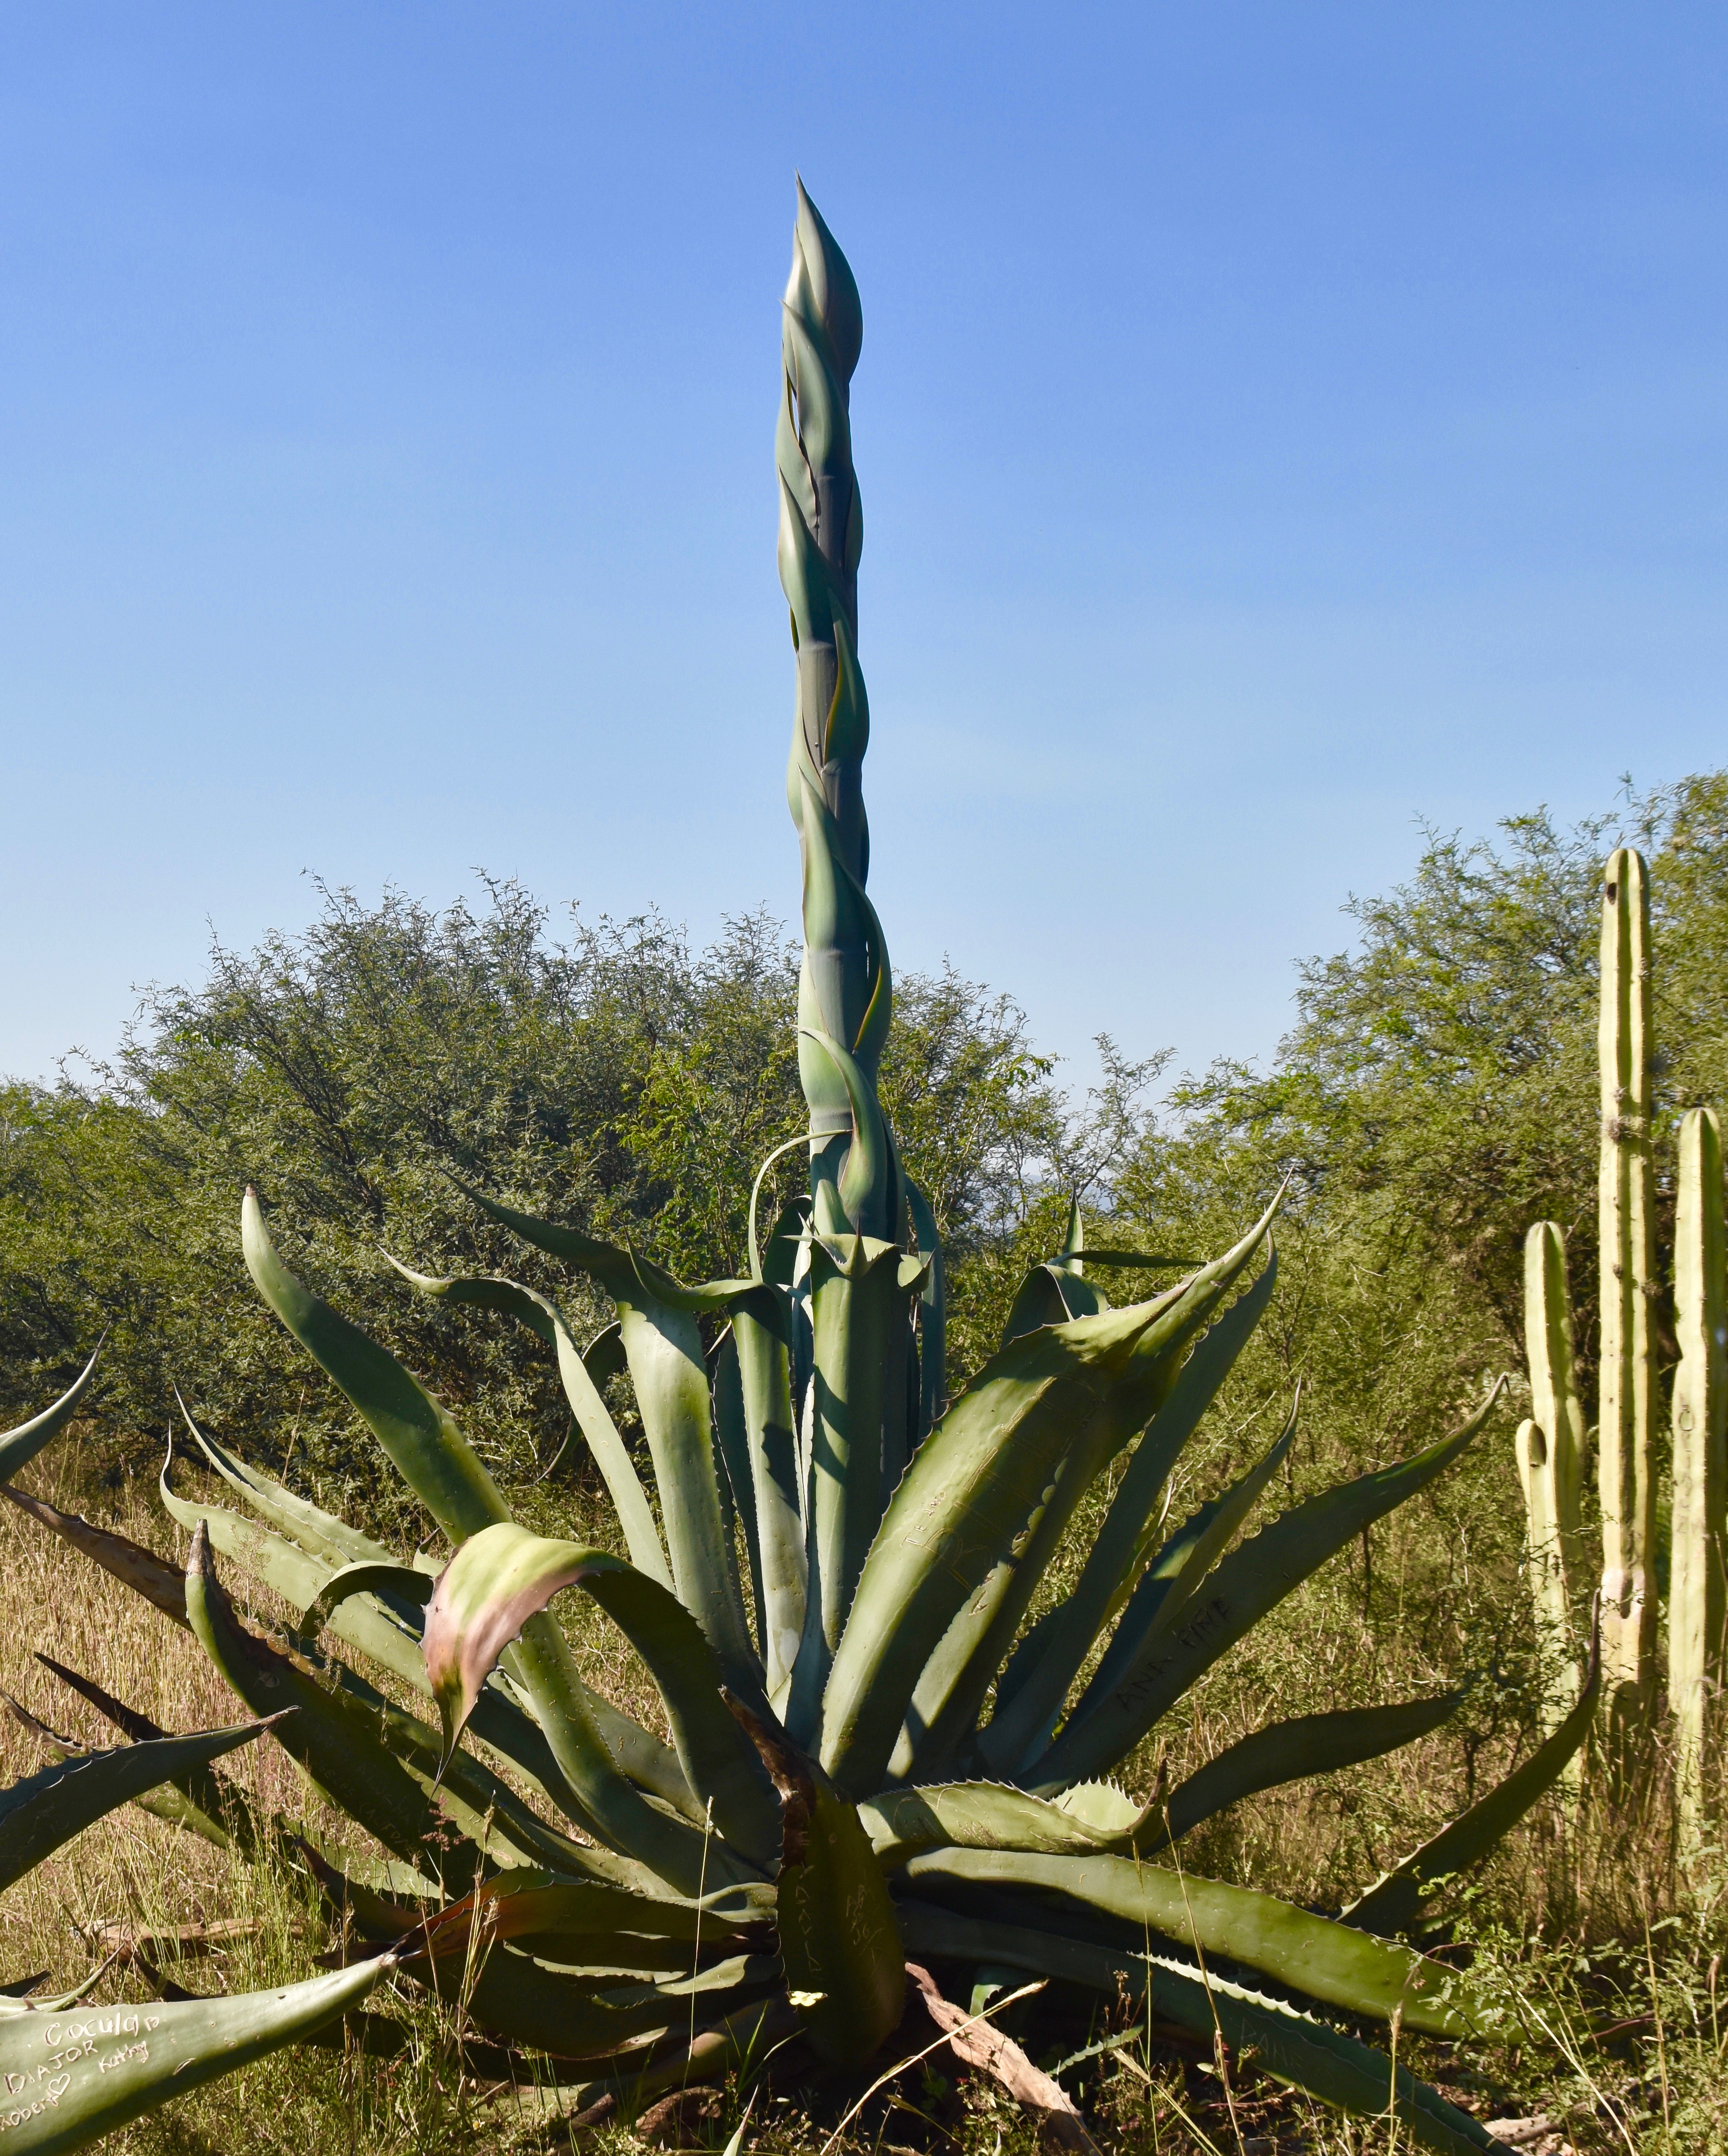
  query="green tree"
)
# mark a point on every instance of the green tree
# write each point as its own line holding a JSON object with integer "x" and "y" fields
{"x": 357, "y": 1072}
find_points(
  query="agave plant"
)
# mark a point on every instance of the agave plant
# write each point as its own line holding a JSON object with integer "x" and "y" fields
{"x": 881, "y": 1744}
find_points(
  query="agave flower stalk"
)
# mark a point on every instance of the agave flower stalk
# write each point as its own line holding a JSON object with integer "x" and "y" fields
{"x": 1696, "y": 1599}
{"x": 878, "y": 1742}
{"x": 1626, "y": 1205}
{"x": 861, "y": 1288}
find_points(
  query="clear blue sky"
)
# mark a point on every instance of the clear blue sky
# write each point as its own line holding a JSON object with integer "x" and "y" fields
{"x": 1274, "y": 423}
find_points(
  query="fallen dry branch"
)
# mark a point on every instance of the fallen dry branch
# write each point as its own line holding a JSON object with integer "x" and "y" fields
{"x": 975, "y": 2044}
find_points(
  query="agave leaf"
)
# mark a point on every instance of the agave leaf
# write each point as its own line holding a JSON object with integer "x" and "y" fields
{"x": 860, "y": 1289}
{"x": 142, "y": 1570}
{"x": 865, "y": 1176}
{"x": 657, "y": 1321}
{"x": 1393, "y": 1904}
{"x": 558, "y": 2011}
{"x": 1105, "y": 1809}
{"x": 166, "y": 1801}
{"x": 1191, "y": 1552}
{"x": 770, "y": 1499}
{"x": 332, "y": 1735}
{"x": 611, "y": 1455}
{"x": 844, "y": 1969}
{"x": 1028, "y": 1704}
{"x": 1287, "y": 1752}
{"x": 1024, "y": 1726}
{"x": 379, "y": 1612}
{"x": 375, "y": 1605}
{"x": 320, "y": 1533}
{"x": 932, "y": 1315}
{"x": 441, "y": 1467}
{"x": 1121, "y": 1704}
{"x": 44, "y": 1809}
{"x": 210, "y": 1805}
{"x": 1077, "y": 1390}
{"x": 1310, "y": 1954}
{"x": 501, "y": 1578}
{"x": 732, "y": 1435}
{"x": 432, "y": 1455}
{"x": 368, "y": 1577}
{"x": 380, "y": 1632}
{"x": 74, "y": 2074}
{"x": 901, "y": 1822}
{"x": 604, "y": 1358}
{"x": 19, "y": 1446}
{"x": 1158, "y": 1605}
{"x": 1292, "y": 2047}
{"x": 650, "y": 1764}
{"x": 1050, "y": 1295}
{"x": 478, "y": 1803}
{"x": 670, "y": 1377}
{"x": 626, "y": 1277}
{"x": 531, "y": 1906}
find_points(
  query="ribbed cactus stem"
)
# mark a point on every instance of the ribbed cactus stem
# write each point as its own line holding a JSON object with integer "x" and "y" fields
{"x": 1696, "y": 1592}
{"x": 1626, "y": 1476}
{"x": 1550, "y": 1453}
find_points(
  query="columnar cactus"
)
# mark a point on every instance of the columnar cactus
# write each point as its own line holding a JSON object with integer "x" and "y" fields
{"x": 1696, "y": 1611}
{"x": 1625, "y": 1417}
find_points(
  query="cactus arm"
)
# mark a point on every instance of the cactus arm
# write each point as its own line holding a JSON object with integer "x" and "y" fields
{"x": 1556, "y": 1404}
{"x": 1625, "y": 1204}
{"x": 1696, "y": 1611}
{"x": 1549, "y": 1449}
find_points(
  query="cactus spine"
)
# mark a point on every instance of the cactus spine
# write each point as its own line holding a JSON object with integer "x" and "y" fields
{"x": 1626, "y": 1477}
{"x": 1696, "y": 1607}
{"x": 1551, "y": 1456}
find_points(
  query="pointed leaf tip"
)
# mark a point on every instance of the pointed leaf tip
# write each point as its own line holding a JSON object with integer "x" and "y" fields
{"x": 486, "y": 1594}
